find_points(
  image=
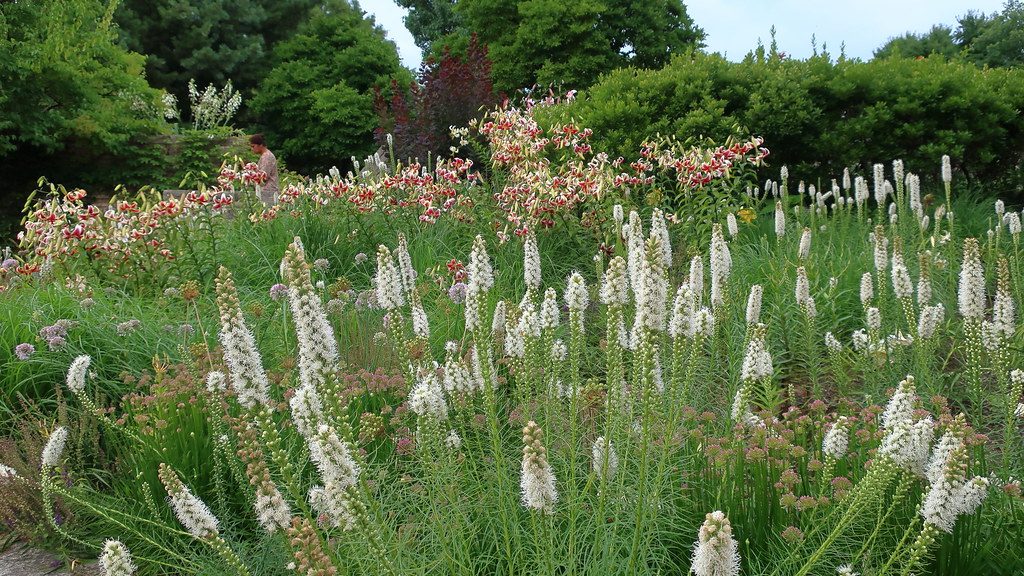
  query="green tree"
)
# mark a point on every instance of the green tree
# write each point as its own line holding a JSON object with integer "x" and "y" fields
{"x": 939, "y": 40}
{"x": 73, "y": 103}
{"x": 556, "y": 42}
{"x": 209, "y": 40}
{"x": 429, "y": 20}
{"x": 1000, "y": 41}
{"x": 316, "y": 103}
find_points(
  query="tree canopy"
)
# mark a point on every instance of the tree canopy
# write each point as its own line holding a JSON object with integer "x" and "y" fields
{"x": 555, "y": 42}
{"x": 316, "y": 103}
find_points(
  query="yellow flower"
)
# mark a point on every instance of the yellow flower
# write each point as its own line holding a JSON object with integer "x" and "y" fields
{"x": 747, "y": 215}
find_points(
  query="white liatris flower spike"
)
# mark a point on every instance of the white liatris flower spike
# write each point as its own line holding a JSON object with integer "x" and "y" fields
{"x": 54, "y": 448}
{"x": 333, "y": 458}
{"x": 972, "y": 494}
{"x": 924, "y": 281}
{"x": 537, "y": 480}
{"x": 730, "y": 224}
{"x": 703, "y": 322}
{"x": 481, "y": 279}
{"x": 837, "y": 439}
{"x": 426, "y": 399}
{"x": 420, "y": 323}
{"x": 879, "y": 181}
{"x": 810, "y": 308}
{"x": 529, "y": 317}
{"x": 861, "y": 192}
{"x": 757, "y": 363}
{"x": 991, "y": 337}
{"x": 618, "y": 215}
{"x": 900, "y": 408}
{"x": 721, "y": 265}
{"x": 874, "y": 319}
{"x": 318, "y": 349}
{"x": 697, "y": 279}
{"x": 681, "y": 322}
{"x": 784, "y": 173}
{"x": 1012, "y": 220}
{"x": 577, "y": 297}
{"x": 307, "y": 409}
{"x": 605, "y": 460}
{"x": 614, "y": 286}
{"x": 944, "y": 500}
{"x": 914, "y": 187}
{"x": 406, "y": 272}
{"x": 192, "y": 512}
{"x": 832, "y": 343}
{"x": 897, "y": 171}
{"x": 780, "y": 220}
{"x": 1003, "y": 308}
{"x": 559, "y": 351}
{"x": 115, "y": 560}
{"x": 216, "y": 382}
{"x": 949, "y": 443}
{"x": 902, "y": 285}
{"x": 881, "y": 244}
{"x": 1000, "y": 209}
{"x": 805, "y": 244}
{"x": 740, "y": 410}
{"x": 659, "y": 230}
{"x": 930, "y": 318}
{"x": 388, "y": 281}
{"x": 635, "y": 253}
{"x": 947, "y": 169}
{"x": 245, "y": 366}
{"x": 498, "y": 320}
{"x": 754, "y": 304}
{"x": 453, "y": 441}
{"x": 846, "y": 178}
{"x": 531, "y": 262}
{"x": 7, "y": 472}
{"x": 716, "y": 552}
{"x": 867, "y": 289}
{"x": 77, "y": 372}
{"x": 971, "y": 289}
{"x": 549, "y": 312}
{"x": 803, "y": 286}
{"x": 652, "y": 297}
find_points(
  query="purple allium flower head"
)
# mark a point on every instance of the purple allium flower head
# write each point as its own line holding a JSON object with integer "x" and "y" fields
{"x": 9, "y": 263}
{"x": 278, "y": 291}
{"x": 457, "y": 292}
{"x": 55, "y": 342}
{"x": 361, "y": 257}
{"x": 24, "y": 350}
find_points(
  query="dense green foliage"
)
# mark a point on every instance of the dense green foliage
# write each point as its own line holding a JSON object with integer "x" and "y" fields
{"x": 822, "y": 115}
{"x": 212, "y": 41}
{"x": 995, "y": 40}
{"x": 316, "y": 103}
{"x": 548, "y": 42}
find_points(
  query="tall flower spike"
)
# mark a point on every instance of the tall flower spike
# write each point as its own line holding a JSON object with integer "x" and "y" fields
{"x": 54, "y": 448}
{"x": 420, "y": 323}
{"x": 1003, "y": 309}
{"x": 659, "y": 230}
{"x": 115, "y": 560}
{"x": 635, "y": 254}
{"x": 388, "y": 281}
{"x": 481, "y": 279}
{"x": 881, "y": 245}
{"x": 192, "y": 512}
{"x": 549, "y": 312}
{"x": 721, "y": 265}
{"x": 406, "y": 272}
{"x": 805, "y": 244}
{"x": 837, "y": 439}
{"x": 697, "y": 279}
{"x": 867, "y": 289}
{"x": 537, "y": 480}
{"x": 924, "y": 281}
{"x": 576, "y": 297}
{"x": 803, "y": 287}
{"x": 605, "y": 460}
{"x": 77, "y": 372}
{"x": 757, "y": 363}
{"x": 652, "y": 295}
{"x": 681, "y": 322}
{"x": 929, "y": 320}
{"x": 716, "y": 552}
{"x": 780, "y": 220}
{"x": 318, "y": 349}
{"x": 427, "y": 397}
{"x": 245, "y": 366}
{"x": 971, "y": 292}
{"x": 730, "y": 224}
{"x": 902, "y": 285}
{"x": 754, "y": 304}
{"x": 531, "y": 262}
{"x": 614, "y": 287}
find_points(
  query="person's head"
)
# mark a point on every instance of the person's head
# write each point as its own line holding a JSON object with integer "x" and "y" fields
{"x": 258, "y": 143}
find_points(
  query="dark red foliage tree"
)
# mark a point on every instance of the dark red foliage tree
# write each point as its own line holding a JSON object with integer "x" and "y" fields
{"x": 452, "y": 91}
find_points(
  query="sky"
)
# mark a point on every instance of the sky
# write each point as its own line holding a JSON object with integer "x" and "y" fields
{"x": 734, "y": 26}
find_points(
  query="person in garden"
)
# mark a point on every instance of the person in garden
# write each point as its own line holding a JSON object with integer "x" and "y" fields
{"x": 268, "y": 163}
